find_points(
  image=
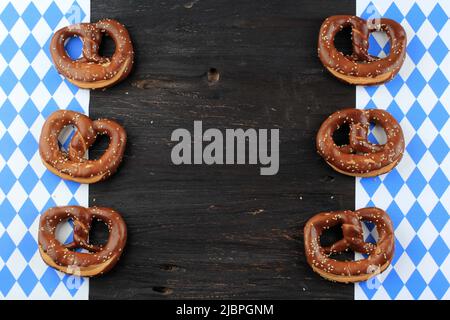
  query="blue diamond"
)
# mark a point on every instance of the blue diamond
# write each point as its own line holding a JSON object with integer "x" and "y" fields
{"x": 371, "y": 90}
{"x": 395, "y": 213}
{"x": 416, "y": 82}
{"x": 416, "y": 216}
{"x": 374, "y": 47}
{"x": 416, "y": 149}
{"x": 438, "y": 115}
{"x": 393, "y": 182}
{"x": 438, "y": 83}
{"x": 8, "y": 179}
{"x": 7, "y": 146}
{"x": 370, "y": 12}
{"x": 6, "y": 280}
{"x": 394, "y": 13}
{"x": 415, "y": 17}
{"x": 28, "y": 213}
{"x": 73, "y": 186}
{"x": 395, "y": 85}
{"x": 397, "y": 252}
{"x": 51, "y": 107}
{"x": 416, "y": 115}
{"x": 28, "y": 246}
{"x": 30, "y": 80}
{"x": 27, "y": 280}
{"x": 416, "y": 182}
{"x": 9, "y": 16}
{"x": 416, "y": 284}
{"x": 439, "y": 183}
{"x": 31, "y": 48}
{"x": 72, "y": 283}
{"x": 7, "y": 213}
{"x": 439, "y": 250}
{"x": 395, "y": 111}
{"x": 53, "y": 15}
{"x": 50, "y": 281}
{"x": 370, "y": 185}
{"x": 31, "y": 16}
{"x": 74, "y": 105}
{"x": 50, "y": 204}
{"x": 416, "y": 250}
{"x": 28, "y": 146}
{"x": 438, "y": 18}
{"x": 416, "y": 49}
{"x": 438, "y": 50}
{"x": 439, "y": 285}
{"x": 439, "y": 217}
{"x": 28, "y": 179}
{"x": 393, "y": 284}
{"x": 7, "y": 246}
{"x": 8, "y": 80}
{"x": 7, "y": 113}
{"x": 50, "y": 181}
{"x": 8, "y": 48}
{"x": 52, "y": 80}
{"x": 439, "y": 149}
{"x": 29, "y": 113}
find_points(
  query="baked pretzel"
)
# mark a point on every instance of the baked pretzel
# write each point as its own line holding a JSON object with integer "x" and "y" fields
{"x": 361, "y": 158}
{"x": 98, "y": 259}
{"x": 93, "y": 71}
{"x": 379, "y": 254}
{"x": 360, "y": 68}
{"x": 72, "y": 165}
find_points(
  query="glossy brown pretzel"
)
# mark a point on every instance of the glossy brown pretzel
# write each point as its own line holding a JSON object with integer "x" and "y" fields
{"x": 93, "y": 71}
{"x": 360, "y": 157}
{"x": 379, "y": 254}
{"x": 72, "y": 165}
{"x": 98, "y": 259}
{"x": 360, "y": 68}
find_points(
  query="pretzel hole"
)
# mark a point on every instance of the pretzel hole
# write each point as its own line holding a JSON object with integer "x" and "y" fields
{"x": 64, "y": 231}
{"x": 107, "y": 46}
{"x": 379, "y": 44}
{"x": 341, "y": 41}
{"x": 99, "y": 233}
{"x": 341, "y": 135}
{"x": 377, "y": 135}
{"x": 74, "y": 47}
{"x": 99, "y": 147}
{"x": 65, "y": 136}
{"x": 332, "y": 235}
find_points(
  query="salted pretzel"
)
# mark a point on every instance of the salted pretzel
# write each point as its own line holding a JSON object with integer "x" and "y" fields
{"x": 63, "y": 257}
{"x": 379, "y": 254}
{"x": 361, "y": 158}
{"x": 93, "y": 71}
{"x": 360, "y": 68}
{"x": 72, "y": 165}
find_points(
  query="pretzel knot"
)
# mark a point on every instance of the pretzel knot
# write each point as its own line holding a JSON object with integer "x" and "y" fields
{"x": 360, "y": 157}
{"x": 72, "y": 165}
{"x": 379, "y": 254}
{"x": 98, "y": 259}
{"x": 360, "y": 67}
{"x": 93, "y": 71}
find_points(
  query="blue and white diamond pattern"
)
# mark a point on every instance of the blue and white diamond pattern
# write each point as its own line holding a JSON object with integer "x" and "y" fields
{"x": 416, "y": 194}
{"x": 30, "y": 90}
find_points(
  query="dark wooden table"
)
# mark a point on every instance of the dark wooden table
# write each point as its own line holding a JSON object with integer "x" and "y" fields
{"x": 220, "y": 231}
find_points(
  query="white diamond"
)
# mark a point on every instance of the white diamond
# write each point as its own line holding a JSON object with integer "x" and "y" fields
{"x": 41, "y": 64}
{"x": 361, "y": 196}
{"x": 427, "y": 199}
{"x": 37, "y": 265}
{"x": 445, "y": 166}
{"x": 36, "y": 127}
{"x": 405, "y": 198}
{"x": 382, "y": 198}
{"x": 404, "y": 294}
{"x": 18, "y": 97}
{"x": 37, "y": 165}
{"x": 16, "y": 230}
{"x": 427, "y": 294}
{"x": 427, "y": 268}
{"x": 407, "y": 68}
{"x": 445, "y": 234}
{"x": 16, "y": 263}
{"x": 427, "y": 166}
{"x": 40, "y": 96}
{"x": 382, "y": 98}
{"x": 20, "y": 32}
{"x": 406, "y": 166}
{"x": 17, "y": 196}
{"x": 408, "y": 130}
{"x": 17, "y": 163}
{"x": 445, "y": 268}
{"x": 427, "y": 132}
{"x": 404, "y": 98}
{"x": 362, "y": 97}
{"x": 41, "y": 32}
{"x": 3, "y": 30}
{"x": 427, "y": 99}
{"x": 427, "y": 66}
{"x": 62, "y": 194}
{"x": 18, "y": 129}
{"x": 63, "y": 96}
{"x": 427, "y": 233}
{"x": 21, "y": 5}
{"x": 404, "y": 233}
{"x": 404, "y": 267}
{"x": 427, "y": 34}
{"x": 445, "y": 34}
{"x": 19, "y": 64}
{"x": 426, "y": 6}
{"x": 39, "y": 196}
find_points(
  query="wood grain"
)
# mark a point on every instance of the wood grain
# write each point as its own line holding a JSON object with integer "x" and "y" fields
{"x": 220, "y": 231}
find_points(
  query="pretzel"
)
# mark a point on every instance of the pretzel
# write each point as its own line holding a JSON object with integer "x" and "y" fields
{"x": 361, "y": 158}
{"x": 360, "y": 68}
{"x": 98, "y": 259}
{"x": 379, "y": 254}
{"x": 72, "y": 165}
{"x": 93, "y": 71}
